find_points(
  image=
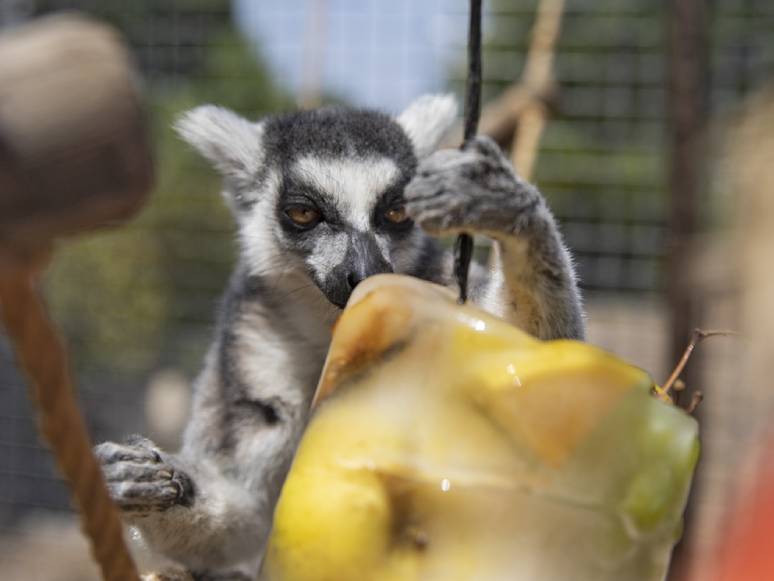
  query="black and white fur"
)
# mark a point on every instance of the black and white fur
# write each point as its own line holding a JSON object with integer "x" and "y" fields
{"x": 209, "y": 507}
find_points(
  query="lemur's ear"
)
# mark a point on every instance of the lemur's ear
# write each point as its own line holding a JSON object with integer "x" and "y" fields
{"x": 232, "y": 143}
{"x": 426, "y": 121}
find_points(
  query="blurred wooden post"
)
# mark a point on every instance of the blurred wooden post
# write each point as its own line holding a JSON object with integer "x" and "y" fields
{"x": 686, "y": 118}
{"x": 686, "y": 106}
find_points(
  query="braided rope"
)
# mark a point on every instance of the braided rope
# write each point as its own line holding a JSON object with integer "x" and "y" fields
{"x": 42, "y": 356}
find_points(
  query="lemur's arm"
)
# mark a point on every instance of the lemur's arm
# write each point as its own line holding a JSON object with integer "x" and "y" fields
{"x": 531, "y": 281}
{"x": 189, "y": 512}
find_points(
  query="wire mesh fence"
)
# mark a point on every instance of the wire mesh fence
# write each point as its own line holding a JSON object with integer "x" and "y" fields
{"x": 138, "y": 305}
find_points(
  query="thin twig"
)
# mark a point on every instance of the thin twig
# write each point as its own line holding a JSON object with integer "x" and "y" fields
{"x": 697, "y": 336}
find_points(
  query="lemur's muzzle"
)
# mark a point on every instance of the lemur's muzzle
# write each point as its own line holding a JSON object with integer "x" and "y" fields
{"x": 364, "y": 258}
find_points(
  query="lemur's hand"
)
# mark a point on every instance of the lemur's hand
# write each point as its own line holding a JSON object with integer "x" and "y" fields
{"x": 474, "y": 190}
{"x": 140, "y": 478}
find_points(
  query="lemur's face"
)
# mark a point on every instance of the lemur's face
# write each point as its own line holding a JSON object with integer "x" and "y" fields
{"x": 320, "y": 193}
{"x": 344, "y": 218}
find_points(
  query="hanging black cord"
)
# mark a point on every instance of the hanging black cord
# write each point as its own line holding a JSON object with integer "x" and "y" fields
{"x": 473, "y": 87}
{"x": 463, "y": 249}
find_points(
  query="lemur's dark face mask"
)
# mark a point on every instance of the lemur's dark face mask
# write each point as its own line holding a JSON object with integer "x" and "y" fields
{"x": 348, "y": 231}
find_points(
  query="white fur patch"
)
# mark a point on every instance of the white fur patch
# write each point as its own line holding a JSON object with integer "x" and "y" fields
{"x": 383, "y": 243}
{"x": 256, "y": 228}
{"x": 329, "y": 251}
{"x": 353, "y": 185}
{"x": 426, "y": 121}
{"x": 232, "y": 143}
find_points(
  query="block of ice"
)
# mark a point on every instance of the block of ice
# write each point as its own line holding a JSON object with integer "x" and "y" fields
{"x": 447, "y": 444}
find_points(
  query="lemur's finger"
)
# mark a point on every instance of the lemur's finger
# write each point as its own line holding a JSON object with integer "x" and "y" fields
{"x": 424, "y": 215}
{"x": 444, "y": 201}
{"x": 441, "y": 160}
{"x": 484, "y": 145}
{"x": 141, "y": 441}
{"x": 144, "y": 495}
{"x": 110, "y": 452}
{"x": 427, "y": 189}
{"x": 480, "y": 150}
{"x": 447, "y": 161}
{"x": 442, "y": 214}
{"x": 438, "y": 183}
{"x": 136, "y": 472}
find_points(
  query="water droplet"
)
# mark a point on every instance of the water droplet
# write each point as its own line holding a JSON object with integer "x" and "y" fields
{"x": 511, "y": 370}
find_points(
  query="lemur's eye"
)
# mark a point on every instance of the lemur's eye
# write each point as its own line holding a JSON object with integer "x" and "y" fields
{"x": 396, "y": 215}
{"x": 303, "y": 215}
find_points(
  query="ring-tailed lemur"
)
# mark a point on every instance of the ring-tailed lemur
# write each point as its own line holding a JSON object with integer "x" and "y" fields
{"x": 323, "y": 199}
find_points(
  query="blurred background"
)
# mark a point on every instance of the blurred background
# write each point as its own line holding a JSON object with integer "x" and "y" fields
{"x": 658, "y": 160}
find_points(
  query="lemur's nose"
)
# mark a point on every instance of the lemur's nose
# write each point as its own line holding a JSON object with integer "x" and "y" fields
{"x": 354, "y": 279}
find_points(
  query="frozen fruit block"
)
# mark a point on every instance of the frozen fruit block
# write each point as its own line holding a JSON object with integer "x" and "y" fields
{"x": 449, "y": 445}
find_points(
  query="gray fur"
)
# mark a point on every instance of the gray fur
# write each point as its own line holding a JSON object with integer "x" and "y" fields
{"x": 209, "y": 507}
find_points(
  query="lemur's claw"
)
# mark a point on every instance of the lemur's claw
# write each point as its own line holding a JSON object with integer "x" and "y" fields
{"x": 474, "y": 190}
{"x": 139, "y": 479}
